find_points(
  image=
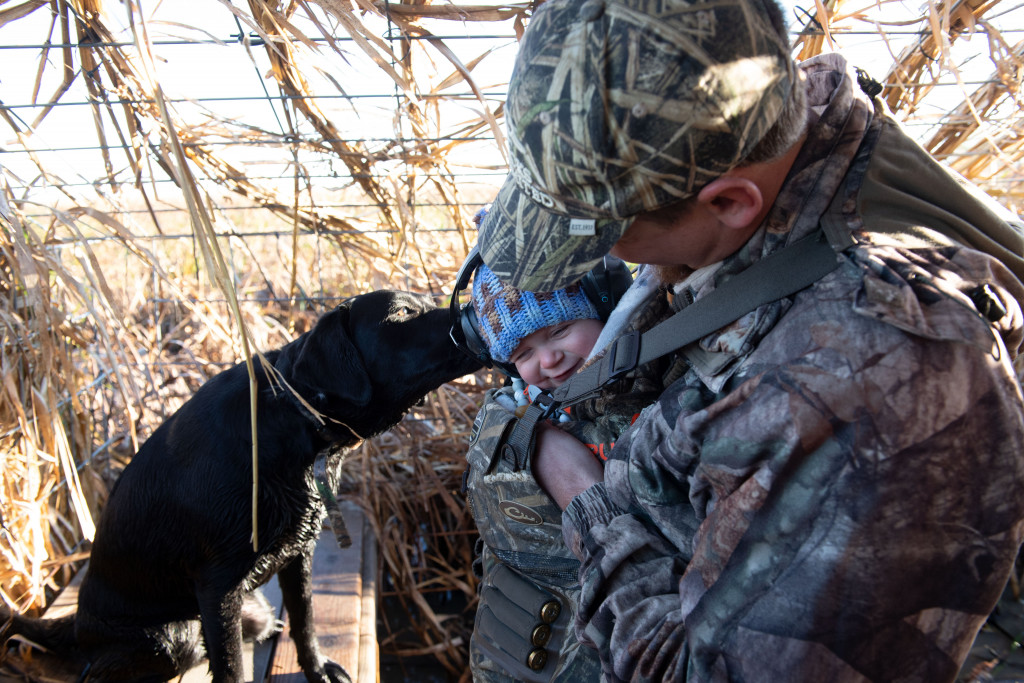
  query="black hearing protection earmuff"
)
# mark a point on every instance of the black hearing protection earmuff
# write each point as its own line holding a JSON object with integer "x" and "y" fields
{"x": 603, "y": 285}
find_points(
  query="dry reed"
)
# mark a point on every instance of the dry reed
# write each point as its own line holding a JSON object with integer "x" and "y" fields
{"x": 109, "y": 327}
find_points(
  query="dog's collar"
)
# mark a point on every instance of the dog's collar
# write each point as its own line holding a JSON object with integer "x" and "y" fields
{"x": 327, "y": 427}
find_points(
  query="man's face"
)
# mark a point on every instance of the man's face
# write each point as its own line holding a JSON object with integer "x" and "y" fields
{"x": 683, "y": 237}
{"x": 686, "y": 236}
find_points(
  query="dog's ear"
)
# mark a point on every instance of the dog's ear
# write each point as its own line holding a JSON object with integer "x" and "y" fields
{"x": 328, "y": 364}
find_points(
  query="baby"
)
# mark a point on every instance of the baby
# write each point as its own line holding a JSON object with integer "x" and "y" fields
{"x": 547, "y": 337}
{"x": 541, "y": 340}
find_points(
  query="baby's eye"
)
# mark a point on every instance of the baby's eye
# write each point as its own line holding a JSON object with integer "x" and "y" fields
{"x": 520, "y": 356}
{"x": 561, "y": 330}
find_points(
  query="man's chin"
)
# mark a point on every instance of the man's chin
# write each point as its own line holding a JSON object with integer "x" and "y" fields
{"x": 670, "y": 275}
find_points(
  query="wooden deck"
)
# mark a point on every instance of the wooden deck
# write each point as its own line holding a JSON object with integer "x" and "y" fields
{"x": 344, "y": 608}
{"x": 344, "y": 603}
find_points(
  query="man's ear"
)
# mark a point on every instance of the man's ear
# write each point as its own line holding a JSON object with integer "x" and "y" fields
{"x": 736, "y": 202}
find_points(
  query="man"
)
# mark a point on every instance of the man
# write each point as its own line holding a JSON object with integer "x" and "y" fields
{"x": 829, "y": 488}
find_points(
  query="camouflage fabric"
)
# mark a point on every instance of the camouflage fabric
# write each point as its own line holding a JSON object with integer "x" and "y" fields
{"x": 622, "y": 106}
{"x": 603, "y": 417}
{"x": 831, "y": 490}
{"x": 499, "y": 491}
{"x": 524, "y": 562}
{"x": 564, "y": 658}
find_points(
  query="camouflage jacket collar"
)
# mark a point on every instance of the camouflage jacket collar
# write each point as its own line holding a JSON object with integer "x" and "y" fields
{"x": 843, "y": 115}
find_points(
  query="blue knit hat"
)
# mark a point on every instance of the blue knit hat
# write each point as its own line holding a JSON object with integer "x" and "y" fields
{"x": 506, "y": 315}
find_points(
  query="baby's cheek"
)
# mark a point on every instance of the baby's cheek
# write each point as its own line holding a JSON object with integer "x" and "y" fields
{"x": 528, "y": 371}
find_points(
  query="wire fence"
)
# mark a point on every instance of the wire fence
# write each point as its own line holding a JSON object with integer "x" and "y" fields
{"x": 323, "y": 149}
{"x": 375, "y": 74}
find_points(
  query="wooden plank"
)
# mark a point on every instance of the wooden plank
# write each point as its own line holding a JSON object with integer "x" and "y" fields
{"x": 368, "y": 670}
{"x": 263, "y": 653}
{"x": 337, "y": 604}
{"x": 344, "y": 608}
{"x": 66, "y": 601}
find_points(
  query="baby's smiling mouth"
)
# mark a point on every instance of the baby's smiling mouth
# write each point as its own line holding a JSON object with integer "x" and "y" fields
{"x": 568, "y": 373}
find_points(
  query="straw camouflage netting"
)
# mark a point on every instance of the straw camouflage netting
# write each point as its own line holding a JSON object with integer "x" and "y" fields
{"x": 618, "y": 107}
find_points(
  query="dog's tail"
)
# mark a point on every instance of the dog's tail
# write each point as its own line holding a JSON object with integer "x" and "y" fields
{"x": 55, "y": 635}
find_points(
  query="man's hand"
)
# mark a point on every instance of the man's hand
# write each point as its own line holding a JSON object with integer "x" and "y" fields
{"x": 563, "y": 466}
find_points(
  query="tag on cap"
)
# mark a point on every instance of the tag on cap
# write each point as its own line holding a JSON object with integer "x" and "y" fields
{"x": 582, "y": 226}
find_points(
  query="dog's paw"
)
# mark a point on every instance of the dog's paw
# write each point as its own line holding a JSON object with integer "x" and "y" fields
{"x": 335, "y": 673}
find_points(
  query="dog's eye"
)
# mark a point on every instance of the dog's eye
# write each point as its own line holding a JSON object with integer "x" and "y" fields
{"x": 401, "y": 313}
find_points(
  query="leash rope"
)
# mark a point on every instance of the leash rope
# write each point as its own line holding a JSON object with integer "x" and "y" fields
{"x": 323, "y": 487}
{"x": 324, "y": 427}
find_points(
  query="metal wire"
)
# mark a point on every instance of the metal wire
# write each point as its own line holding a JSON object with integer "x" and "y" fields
{"x": 234, "y": 39}
{"x": 263, "y": 142}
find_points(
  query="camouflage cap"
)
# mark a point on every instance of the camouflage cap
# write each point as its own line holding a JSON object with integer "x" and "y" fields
{"x": 616, "y": 107}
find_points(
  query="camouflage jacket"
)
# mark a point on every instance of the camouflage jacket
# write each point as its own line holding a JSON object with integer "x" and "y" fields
{"x": 831, "y": 490}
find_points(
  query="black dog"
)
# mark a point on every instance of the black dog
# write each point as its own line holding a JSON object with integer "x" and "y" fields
{"x": 173, "y": 570}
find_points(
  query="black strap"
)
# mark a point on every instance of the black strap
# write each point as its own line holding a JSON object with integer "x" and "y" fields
{"x": 785, "y": 272}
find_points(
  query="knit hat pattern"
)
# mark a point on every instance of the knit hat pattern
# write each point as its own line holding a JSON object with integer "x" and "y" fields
{"x": 506, "y": 315}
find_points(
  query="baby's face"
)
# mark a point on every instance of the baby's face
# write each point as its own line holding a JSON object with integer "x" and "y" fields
{"x": 553, "y": 354}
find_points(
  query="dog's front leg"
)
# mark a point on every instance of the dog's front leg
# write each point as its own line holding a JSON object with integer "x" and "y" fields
{"x": 296, "y": 582}
{"x": 222, "y": 631}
